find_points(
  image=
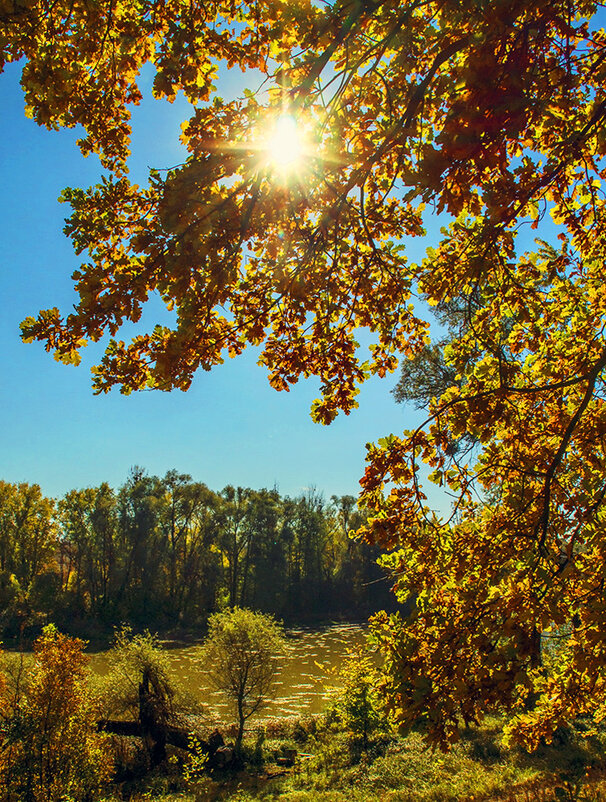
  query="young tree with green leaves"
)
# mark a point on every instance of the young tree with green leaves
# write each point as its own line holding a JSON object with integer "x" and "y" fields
{"x": 358, "y": 702}
{"x": 241, "y": 656}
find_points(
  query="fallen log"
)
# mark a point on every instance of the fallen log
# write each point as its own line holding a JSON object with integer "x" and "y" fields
{"x": 174, "y": 736}
{"x": 132, "y": 728}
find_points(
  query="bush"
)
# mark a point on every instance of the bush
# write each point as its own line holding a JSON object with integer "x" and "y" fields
{"x": 357, "y": 704}
{"x": 51, "y": 748}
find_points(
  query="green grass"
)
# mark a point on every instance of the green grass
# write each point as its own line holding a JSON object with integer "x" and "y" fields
{"x": 333, "y": 768}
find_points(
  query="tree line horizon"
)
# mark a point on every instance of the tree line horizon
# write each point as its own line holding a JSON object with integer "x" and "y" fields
{"x": 166, "y": 553}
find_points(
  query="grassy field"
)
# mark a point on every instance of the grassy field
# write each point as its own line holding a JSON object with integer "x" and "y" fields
{"x": 332, "y": 766}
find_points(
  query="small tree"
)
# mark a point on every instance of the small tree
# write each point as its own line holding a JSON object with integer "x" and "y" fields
{"x": 241, "y": 653}
{"x": 357, "y": 701}
{"x": 51, "y": 749}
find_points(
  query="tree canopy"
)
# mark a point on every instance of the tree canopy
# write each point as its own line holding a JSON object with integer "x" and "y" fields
{"x": 490, "y": 113}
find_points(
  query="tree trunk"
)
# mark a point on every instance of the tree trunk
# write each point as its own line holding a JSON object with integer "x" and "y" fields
{"x": 241, "y": 722}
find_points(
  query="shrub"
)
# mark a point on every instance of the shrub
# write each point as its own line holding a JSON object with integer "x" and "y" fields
{"x": 51, "y": 748}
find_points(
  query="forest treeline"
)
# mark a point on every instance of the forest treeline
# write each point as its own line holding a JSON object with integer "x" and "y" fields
{"x": 167, "y": 552}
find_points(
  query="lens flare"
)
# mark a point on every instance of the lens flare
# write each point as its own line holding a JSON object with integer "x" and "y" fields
{"x": 286, "y": 145}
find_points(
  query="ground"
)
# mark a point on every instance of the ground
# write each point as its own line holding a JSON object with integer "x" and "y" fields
{"x": 331, "y": 766}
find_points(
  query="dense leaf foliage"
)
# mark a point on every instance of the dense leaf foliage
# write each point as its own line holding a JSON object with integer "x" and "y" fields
{"x": 51, "y": 750}
{"x": 491, "y": 113}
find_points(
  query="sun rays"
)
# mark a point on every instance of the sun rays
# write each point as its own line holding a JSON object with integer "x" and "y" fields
{"x": 284, "y": 147}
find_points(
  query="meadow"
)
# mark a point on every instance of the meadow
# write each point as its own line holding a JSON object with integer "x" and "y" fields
{"x": 332, "y": 766}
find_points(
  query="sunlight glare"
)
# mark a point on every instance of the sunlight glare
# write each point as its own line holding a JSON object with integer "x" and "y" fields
{"x": 285, "y": 146}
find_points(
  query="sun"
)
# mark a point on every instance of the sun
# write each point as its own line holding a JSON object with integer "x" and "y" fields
{"x": 285, "y": 146}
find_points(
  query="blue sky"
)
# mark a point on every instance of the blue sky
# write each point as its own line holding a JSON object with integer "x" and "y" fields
{"x": 230, "y": 427}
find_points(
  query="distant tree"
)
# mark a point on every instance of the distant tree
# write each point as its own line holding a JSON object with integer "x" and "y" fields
{"x": 264, "y": 589}
{"x": 360, "y": 586}
{"x": 424, "y": 377}
{"x": 141, "y": 546}
{"x": 241, "y": 654}
{"x": 345, "y": 507}
{"x": 28, "y": 538}
{"x": 235, "y": 539}
{"x": 188, "y": 521}
{"x": 311, "y": 533}
{"x": 51, "y": 750}
{"x": 87, "y": 547}
{"x": 27, "y": 531}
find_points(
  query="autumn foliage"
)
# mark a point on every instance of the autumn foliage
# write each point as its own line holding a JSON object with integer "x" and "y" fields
{"x": 50, "y": 747}
{"x": 490, "y": 113}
